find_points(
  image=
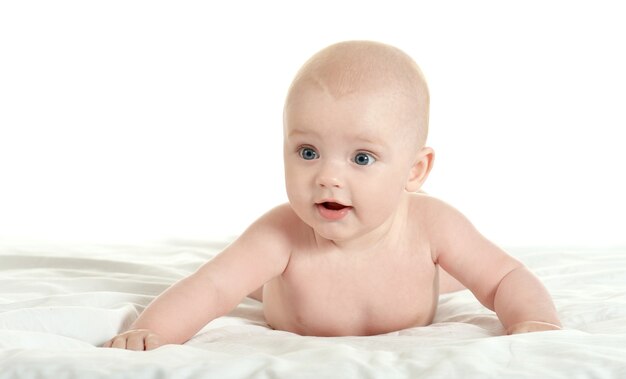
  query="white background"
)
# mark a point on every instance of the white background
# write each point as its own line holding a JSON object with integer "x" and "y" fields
{"x": 126, "y": 120}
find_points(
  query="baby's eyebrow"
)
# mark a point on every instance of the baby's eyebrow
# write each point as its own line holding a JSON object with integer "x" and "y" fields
{"x": 370, "y": 140}
{"x": 300, "y": 132}
{"x": 367, "y": 139}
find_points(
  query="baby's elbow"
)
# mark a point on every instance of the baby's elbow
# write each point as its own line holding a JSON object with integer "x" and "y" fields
{"x": 489, "y": 297}
{"x": 511, "y": 282}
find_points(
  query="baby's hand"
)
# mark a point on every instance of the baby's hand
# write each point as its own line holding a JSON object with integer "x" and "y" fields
{"x": 139, "y": 339}
{"x": 531, "y": 326}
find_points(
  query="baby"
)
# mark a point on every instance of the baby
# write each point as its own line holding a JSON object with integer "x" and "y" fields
{"x": 359, "y": 249}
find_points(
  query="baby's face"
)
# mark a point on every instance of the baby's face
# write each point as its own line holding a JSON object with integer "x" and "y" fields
{"x": 347, "y": 160}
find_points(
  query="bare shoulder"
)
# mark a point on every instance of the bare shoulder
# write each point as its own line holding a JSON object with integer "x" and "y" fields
{"x": 260, "y": 253}
{"x": 276, "y": 229}
{"x": 462, "y": 251}
{"x": 434, "y": 212}
{"x": 262, "y": 250}
{"x": 283, "y": 219}
{"x": 441, "y": 221}
{"x": 279, "y": 215}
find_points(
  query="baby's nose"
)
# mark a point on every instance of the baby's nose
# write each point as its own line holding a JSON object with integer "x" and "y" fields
{"x": 328, "y": 178}
{"x": 328, "y": 181}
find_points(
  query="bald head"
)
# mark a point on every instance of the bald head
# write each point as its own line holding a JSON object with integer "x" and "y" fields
{"x": 366, "y": 67}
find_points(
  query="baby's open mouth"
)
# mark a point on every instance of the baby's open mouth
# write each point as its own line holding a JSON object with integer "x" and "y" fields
{"x": 333, "y": 211}
{"x": 333, "y": 206}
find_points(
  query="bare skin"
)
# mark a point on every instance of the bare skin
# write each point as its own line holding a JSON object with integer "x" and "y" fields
{"x": 357, "y": 250}
{"x": 391, "y": 286}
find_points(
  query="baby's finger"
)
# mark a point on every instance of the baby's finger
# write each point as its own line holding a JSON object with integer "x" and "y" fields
{"x": 153, "y": 341}
{"x": 119, "y": 342}
{"x": 135, "y": 341}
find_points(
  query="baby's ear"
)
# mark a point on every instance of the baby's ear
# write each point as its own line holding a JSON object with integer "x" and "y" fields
{"x": 420, "y": 169}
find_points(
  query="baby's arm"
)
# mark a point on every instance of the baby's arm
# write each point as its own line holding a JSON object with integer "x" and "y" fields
{"x": 498, "y": 281}
{"x": 259, "y": 254}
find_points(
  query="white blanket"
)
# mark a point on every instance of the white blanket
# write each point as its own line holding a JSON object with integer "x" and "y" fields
{"x": 59, "y": 302}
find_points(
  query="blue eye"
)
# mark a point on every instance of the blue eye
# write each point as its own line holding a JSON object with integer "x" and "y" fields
{"x": 364, "y": 159}
{"x": 308, "y": 153}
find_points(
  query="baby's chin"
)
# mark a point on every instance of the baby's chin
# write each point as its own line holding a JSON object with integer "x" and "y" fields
{"x": 331, "y": 231}
{"x": 338, "y": 235}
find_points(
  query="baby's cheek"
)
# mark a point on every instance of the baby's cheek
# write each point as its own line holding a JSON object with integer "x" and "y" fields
{"x": 378, "y": 205}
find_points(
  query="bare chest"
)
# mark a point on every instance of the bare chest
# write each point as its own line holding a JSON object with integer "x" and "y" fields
{"x": 323, "y": 293}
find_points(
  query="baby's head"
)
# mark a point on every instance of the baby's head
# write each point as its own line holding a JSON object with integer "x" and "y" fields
{"x": 370, "y": 68}
{"x": 355, "y": 125}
